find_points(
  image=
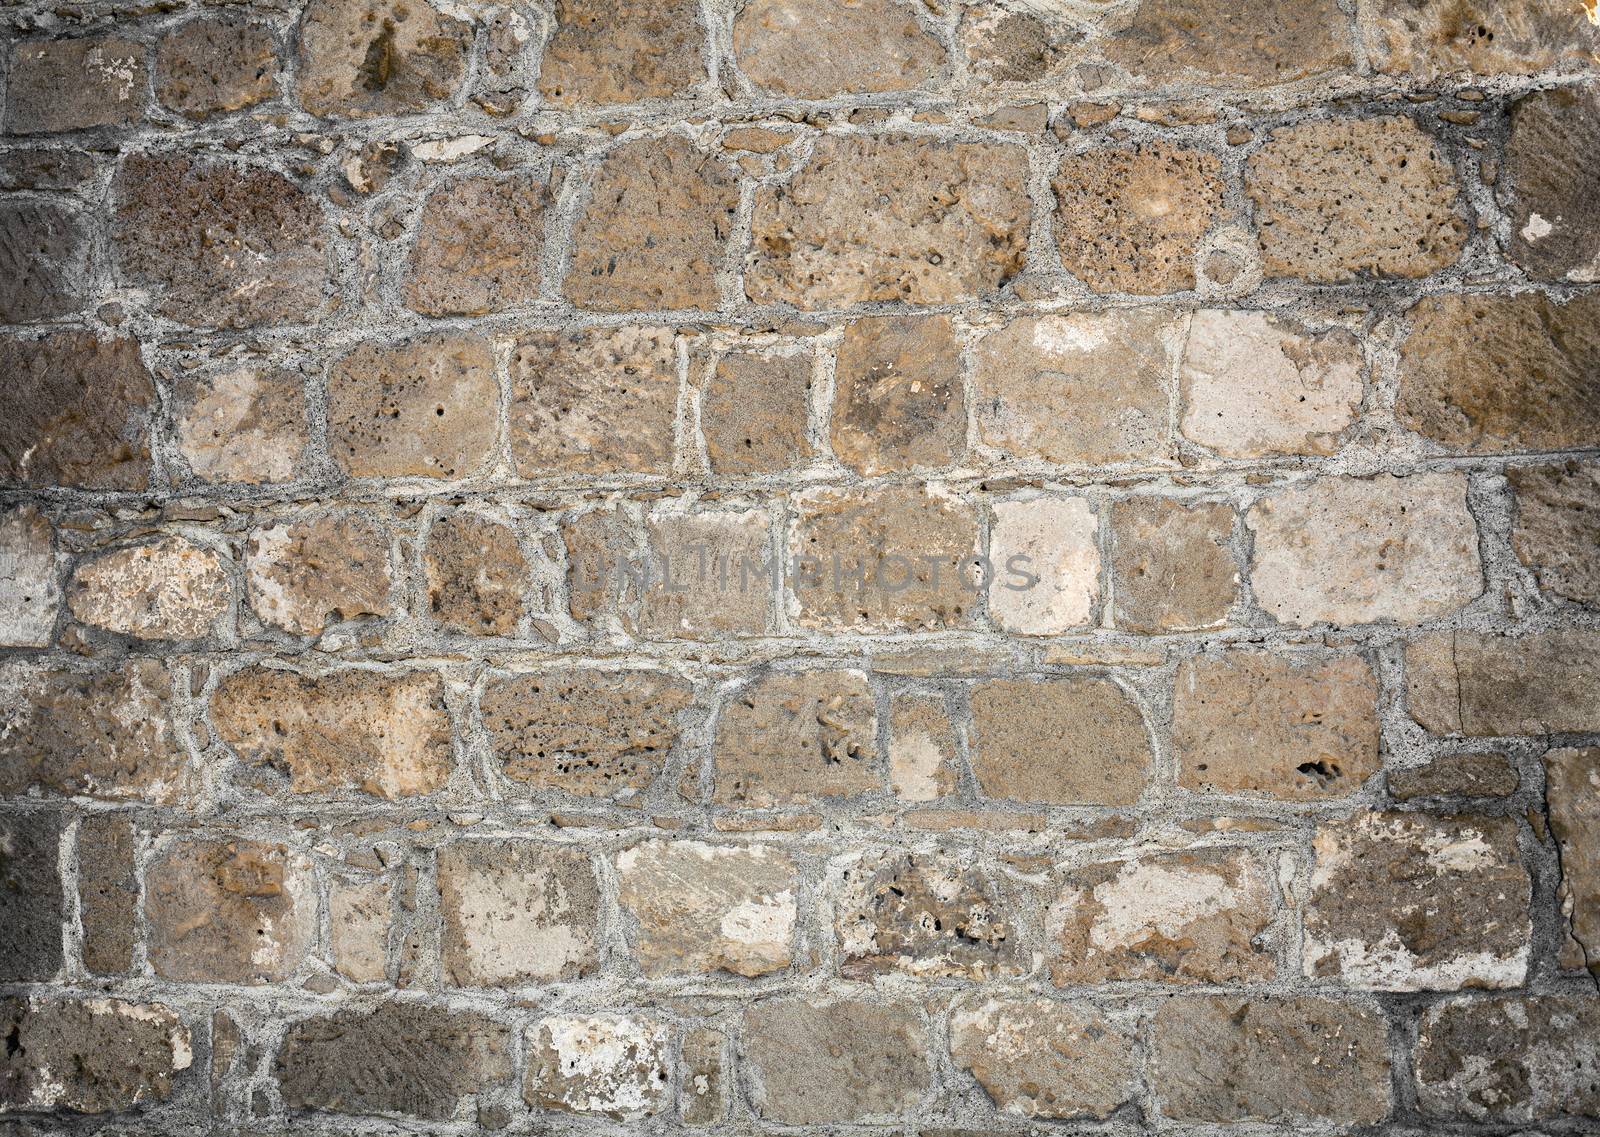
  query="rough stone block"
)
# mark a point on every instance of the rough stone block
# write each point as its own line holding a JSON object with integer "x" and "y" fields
{"x": 922, "y": 747}
{"x": 787, "y": 738}
{"x": 476, "y": 574}
{"x": 359, "y": 913}
{"x": 816, "y": 1062}
{"x": 306, "y": 573}
{"x": 712, "y": 575}
{"x": 1060, "y": 741}
{"x": 1467, "y": 775}
{"x": 31, "y": 900}
{"x": 1485, "y": 685}
{"x": 1432, "y": 39}
{"x": 1218, "y": 43}
{"x": 1041, "y": 1058}
{"x": 1510, "y": 1059}
{"x": 1555, "y": 218}
{"x": 611, "y": 1065}
{"x": 89, "y": 1055}
{"x": 379, "y": 57}
{"x": 1571, "y": 777}
{"x": 1558, "y": 527}
{"x": 75, "y": 84}
{"x": 815, "y": 49}
{"x": 44, "y": 261}
{"x": 755, "y": 413}
{"x": 1172, "y": 565}
{"x": 30, "y": 578}
{"x": 243, "y": 425}
{"x": 898, "y": 400}
{"x": 1045, "y": 561}
{"x": 108, "y": 892}
{"x": 702, "y": 1077}
{"x": 212, "y": 66}
{"x": 166, "y": 589}
{"x": 625, "y": 51}
{"x": 478, "y": 245}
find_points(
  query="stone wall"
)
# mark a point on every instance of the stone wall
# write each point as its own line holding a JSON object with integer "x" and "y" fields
{"x": 1119, "y": 481}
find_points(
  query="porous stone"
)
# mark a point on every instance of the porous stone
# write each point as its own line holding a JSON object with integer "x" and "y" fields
{"x": 1186, "y": 917}
{"x": 654, "y": 230}
{"x": 1254, "y": 384}
{"x": 1225, "y": 43}
{"x": 594, "y": 401}
{"x": 166, "y": 589}
{"x": 1469, "y": 775}
{"x": 478, "y": 245}
{"x": 1516, "y": 1059}
{"x": 1345, "y": 198}
{"x": 922, "y": 748}
{"x": 702, "y": 1076}
{"x": 212, "y": 66}
{"x": 797, "y": 737}
{"x": 815, "y": 1062}
{"x": 44, "y": 261}
{"x": 1486, "y": 373}
{"x": 423, "y": 408}
{"x": 74, "y": 84}
{"x": 815, "y": 49}
{"x": 31, "y": 899}
{"x": 1226, "y": 1058}
{"x": 358, "y": 928}
{"x": 1081, "y": 387}
{"x": 30, "y": 578}
{"x": 93, "y": 1055}
{"x": 306, "y": 573}
{"x": 229, "y": 911}
{"x": 1061, "y": 741}
{"x": 1046, "y": 565}
{"x": 1555, "y": 221}
{"x": 1172, "y": 566}
{"x": 755, "y": 413}
{"x": 102, "y": 734}
{"x": 409, "y": 1059}
{"x": 1407, "y": 902}
{"x": 1557, "y": 526}
{"x": 1130, "y": 219}
{"x": 926, "y": 915}
{"x": 517, "y": 912}
{"x": 1297, "y": 727}
{"x": 476, "y": 574}
{"x": 1571, "y": 777}
{"x": 75, "y": 412}
{"x": 703, "y": 908}
{"x": 1431, "y": 39}
{"x": 379, "y": 57}
{"x": 243, "y": 425}
{"x": 219, "y": 245}
{"x": 1362, "y": 550}
{"x": 891, "y": 217}
{"x": 898, "y": 400}
{"x": 621, "y": 52}
{"x": 611, "y": 1065}
{"x": 1483, "y": 684}
{"x": 1042, "y": 1058}
{"x": 891, "y": 558}
{"x": 584, "y": 732}
{"x": 384, "y": 735}
{"x": 714, "y": 576}
{"x": 108, "y": 893}
{"x": 1006, "y": 45}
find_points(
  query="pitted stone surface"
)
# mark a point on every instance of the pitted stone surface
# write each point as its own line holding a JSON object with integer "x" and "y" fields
{"x": 1555, "y": 218}
{"x": 90, "y": 1056}
{"x": 30, "y": 578}
{"x": 168, "y": 589}
{"x": 622, "y": 51}
{"x": 1484, "y": 684}
{"x": 210, "y": 66}
{"x": 244, "y": 425}
{"x": 378, "y": 57}
{"x": 898, "y": 401}
{"x": 868, "y": 46}
{"x": 306, "y": 573}
{"x": 797, "y": 738}
{"x": 75, "y": 84}
{"x": 44, "y": 254}
{"x": 1509, "y": 1059}
{"x": 478, "y": 245}
{"x": 1039, "y": 1058}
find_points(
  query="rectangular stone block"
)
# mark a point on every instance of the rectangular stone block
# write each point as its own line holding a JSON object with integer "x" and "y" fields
{"x": 609, "y": 1065}
{"x": 1064, "y": 741}
{"x": 108, "y": 892}
{"x": 1572, "y": 777}
{"x": 89, "y": 1055}
{"x": 815, "y": 1061}
{"x": 32, "y": 904}
{"x": 1482, "y": 684}
{"x": 795, "y": 738}
{"x": 1510, "y": 1059}
{"x": 1043, "y": 1058}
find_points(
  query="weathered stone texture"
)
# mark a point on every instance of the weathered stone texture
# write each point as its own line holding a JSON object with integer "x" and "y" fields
{"x": 30, "y": 578}
{"x": 1131, "y": 219}
{"x": 168, "y": 589}
{"x": 384, "y": 735}
{"x": 1485, "y": 684}
{"x": 103, "y": 734}
{"x": 517, "y": 912}
{"x": 621, "y": 52}
{"x": 379, "y": 57}
{"x": 1224, "y": 1058}
{"x": 1555, "y": 217}
{"x": 476, "y": 575}
{"x": 654, "y": 230}
{"x": 409, "y": 1059}
{"x": 1430, "y": 39}
{"x": 358, "y": 928}
{"x": 713, "y": 570}
{"x": 478, "y": 245}
{"x": 1060, "y": 741}
{"x": 922, "y": 748}
{"x": 424, "y": 408}
{"x": 866, "y": 46}
{"x": 1297, "y": 727}
{"x": 1046, "y": 565}
{"x": 1572, "y": 775}
{"x": 1007, "y": 45}
{"x": 1344, "y": 198}
{"x": 1471, "y": 775}
{"x": 755, "y": 413}
{"x": 211, "y": 66}
{"x": 1361, "y": 550}
{"x": 1198, "y": 917}
{"x": 75, "y": 84}
{"x": 927, "y": 915}
{"x": 702, "y": 1078}
{"x": 1084, "y": 387}
{"x": 89, "y": 1055}
{"x": 1486, "y": 373}
{"x": 703, "y": 908}
{"x": 1517, "y": 1059}
{"x": 44, "y": 253}
{"x": 610, "y": 1065}
{"x": 1172, "y": 565}
{"x": 1406, "y": 902}
{"x": 796, "y": 738}
{"x": 1255, "y": 384}
{"x": 594, "y": 401}
{"x": 108, "y": 892}
{"x": 1229, "y": 43}
{"x": 31, "y": 900}
{"x": 243, "y": 425}
{"x": 1037, "y": 1058}
{"x": 584, "y": 732}
{"x": 898, "y": 401}
{"x": 814, "y": 1062}
{"x": 306, "y": 573}
{"x": 891, "y": 218}
{"x": 220, "y": 245}
{"x": 74, "y": 411}
{"x": 229, "y": 911}
{"x": 1557, "y": 531}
